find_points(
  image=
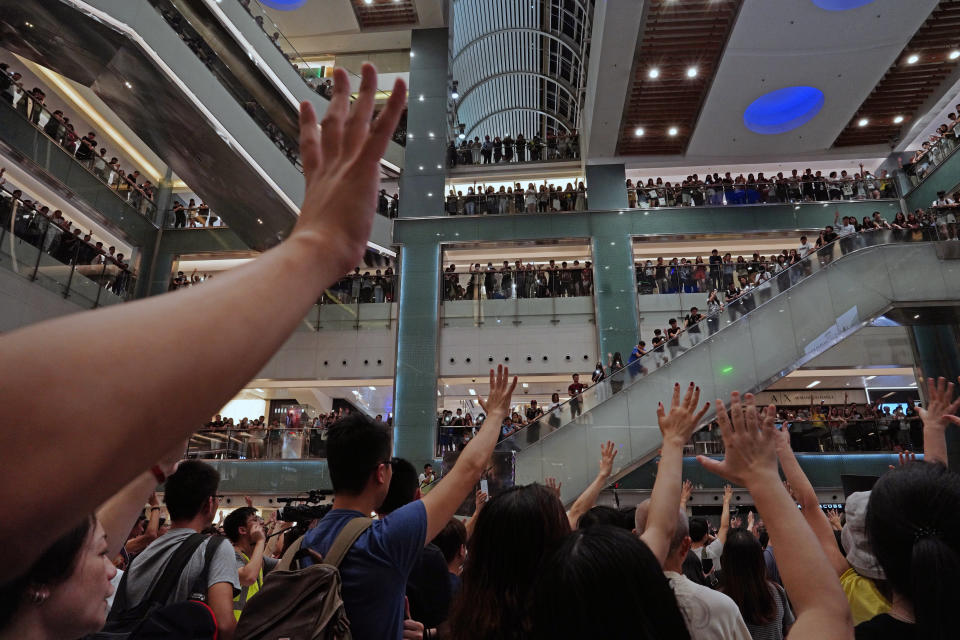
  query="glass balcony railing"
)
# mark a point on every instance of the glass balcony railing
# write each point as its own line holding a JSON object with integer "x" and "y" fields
{"x": 192, "y": 218}
{"x": 51, "y": 256}
{"x": 321, "y": 86}
{"x": 258, "y": 444}
{"x": 774, "y": 191}
{"x": 508, "y": 150}
{"x": 936, "y": 153}
{"x": 138, "y": 197}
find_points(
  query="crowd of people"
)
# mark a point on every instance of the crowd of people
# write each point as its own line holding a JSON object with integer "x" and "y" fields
{"x": 714, "y": 190}
{"x": 936, "y": 149}
{"x": 51, "y": 233}
{"x": 489, "y": 200}
{"x": 356, "y": 287}
{"x": 523, "y": 566}
{"x": 194, "y": 216}
{"x": 540, "y": 280}
{"x": 86, "y": 149}
{"x": 560, "y": 146}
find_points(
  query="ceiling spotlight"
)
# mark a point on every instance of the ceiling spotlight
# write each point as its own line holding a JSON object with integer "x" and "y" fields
{"x": 672, "y": 131}
{"x": 462, "y": 136}
{"x": 954, "y": 54}
{"x": 653, "y": 73}
{"x": 128, "y": 85}
{"x": 863, "y": 122}
{"x": 692, "y": 72}
{"x": 367, "y": 1}
{"x": 455, "y": 95}
{"x": 898, "y": 120}
{"x": 913, "y": 59}
{"x": 638, "y": 131}
{"x": 411, "y": 53}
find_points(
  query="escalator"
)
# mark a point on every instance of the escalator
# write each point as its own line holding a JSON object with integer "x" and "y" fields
{"x": 761, "y": 337}
{"x": 227, "y": 132}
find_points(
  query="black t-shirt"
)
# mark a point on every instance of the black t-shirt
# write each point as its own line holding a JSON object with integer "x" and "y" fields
{"x": 693, "y": 568}
{"x": 884, "y": 627}
{"x": 693, "y": 321}
{"x": 829, "y": 237}
{"x": 715, "y": 262}
{"x": 428, "y": 588}
{"x": 533, "y": 414}
{"x": 658, "y": 343}
{"x": 672, "y": 334}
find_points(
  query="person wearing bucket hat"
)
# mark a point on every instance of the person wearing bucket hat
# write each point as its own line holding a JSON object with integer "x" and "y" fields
{"x": 865, "y": 599}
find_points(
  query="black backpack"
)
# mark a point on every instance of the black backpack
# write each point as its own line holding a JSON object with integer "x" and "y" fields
{"x": 153, "y": 618}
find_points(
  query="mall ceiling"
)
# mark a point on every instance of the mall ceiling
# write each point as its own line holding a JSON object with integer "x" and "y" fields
{"x": 689, "y": 81}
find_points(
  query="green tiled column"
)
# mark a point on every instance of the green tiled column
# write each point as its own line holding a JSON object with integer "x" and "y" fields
{"x": 415, "y": 389}
{"x": 614, "y": 290}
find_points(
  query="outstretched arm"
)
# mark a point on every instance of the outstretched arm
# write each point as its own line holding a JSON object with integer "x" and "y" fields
{"x": 116, "y": 429}
{"x": 442, "y": 501}
{"x": 725, "y": 516}
{"x": 810, "y": 509}
{"x": 676, "y": 427}
{"x": 589, "y": 497}
{"x": 751, "y": 461}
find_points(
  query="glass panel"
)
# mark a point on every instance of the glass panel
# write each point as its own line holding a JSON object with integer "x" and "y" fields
{"x": 754, "y": 338}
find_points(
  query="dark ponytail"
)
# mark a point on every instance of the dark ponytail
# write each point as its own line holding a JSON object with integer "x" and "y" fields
{"x": 913, "y": 523}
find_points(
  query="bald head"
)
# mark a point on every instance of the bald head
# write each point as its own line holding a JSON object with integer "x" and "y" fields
{"x": 682, "y": 528}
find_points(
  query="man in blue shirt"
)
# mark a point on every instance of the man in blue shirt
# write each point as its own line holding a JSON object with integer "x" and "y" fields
{"x": 375, "y": 570}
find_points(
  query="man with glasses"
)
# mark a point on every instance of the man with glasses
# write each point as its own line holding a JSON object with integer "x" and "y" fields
{"x": 244, "y": 528}
{"x": 375, "y": 570}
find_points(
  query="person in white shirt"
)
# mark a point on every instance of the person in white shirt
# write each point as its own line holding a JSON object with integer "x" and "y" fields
{"x": 805, "y": 247}
{"x": 709, "y": 614}
{"x": 427, "y": 477}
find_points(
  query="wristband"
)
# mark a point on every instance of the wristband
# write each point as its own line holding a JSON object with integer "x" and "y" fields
{"x": 154, "y": 508}
{"x": 158, "y": 474}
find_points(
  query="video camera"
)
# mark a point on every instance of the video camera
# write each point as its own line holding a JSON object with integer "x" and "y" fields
{"x": 304, "y": 509}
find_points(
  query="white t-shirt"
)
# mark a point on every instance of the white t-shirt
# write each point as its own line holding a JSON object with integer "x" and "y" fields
{"x": 709, "y": 614}
{"x": 804, "y": 249}
{"x": 847, "y": 229}
{"x": 424, "y": 480}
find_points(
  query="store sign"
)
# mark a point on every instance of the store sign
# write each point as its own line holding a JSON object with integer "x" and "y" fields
{"x": 803, "y": 397}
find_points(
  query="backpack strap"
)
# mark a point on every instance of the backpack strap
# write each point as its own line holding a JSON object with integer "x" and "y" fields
{"x": 198, "y": 590}
{"x": 286, "y": 561}
{"x": 162, "y": 589}
{"x": 345, "y": 539}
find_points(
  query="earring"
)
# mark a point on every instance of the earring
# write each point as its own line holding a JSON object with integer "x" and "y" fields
{"x": 39, "y": 596}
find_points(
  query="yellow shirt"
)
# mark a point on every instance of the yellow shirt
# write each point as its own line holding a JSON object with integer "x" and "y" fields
{"x": 865, "y": 599}
{"x": 245, "y": 592}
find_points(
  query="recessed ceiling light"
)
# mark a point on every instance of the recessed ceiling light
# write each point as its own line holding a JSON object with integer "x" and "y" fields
{"x": 653, "y": 73}
{"x": 813, "y": 384}
{"x": 863, "y": 122}
{"x": 421, "y": 98}
{"x": 411, "y": 53}
{"x": 913, "y": 59}
{"x": 372, "y": 388}
{"x": 638, "y": 131}
{"x": 526, "y": 386}
{"x": 954, "y": 54}
{"x": 916, "y": 316}
{"x": 368, "y": 1}
{"x": 672, "y": 131}
{"x": 128, "y": 85}
{"x": 692, "y": 72}
{"x": 462, "y": 136}
{"x": 455, "y": 95}
{"x": 473, "y": 392}
{"x": 898, "y": 120}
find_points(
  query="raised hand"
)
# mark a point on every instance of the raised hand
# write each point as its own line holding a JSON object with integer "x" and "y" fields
{"x": 608, "y": 451}
{"x": 498, "y": 400}
{"x": 479, "y": 500}
{"x": 940, "y": 404}
{"x": 750, "y": 440}
{"x": 727, "y": 494}
{"x": 257, "y": 533}
{"x": 685, "y": 493}
{"x": 341, "y": 166}
{"x": 153, "y": 501}
{"x": 834, "y": 519}
{"x": 248, "y": 500}
{"x": 683, "y": 419}
{"x": 903, "y": 458}
{"x": 554, "y": 486}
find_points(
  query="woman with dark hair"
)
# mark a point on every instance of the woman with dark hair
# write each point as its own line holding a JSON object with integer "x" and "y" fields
{"x": 913, "y": 520}
{"x": 64, "y": 594}
{"x": 763, "y": 604}
{"x": 603, "y": 582}
{"x": 514, "y": 533}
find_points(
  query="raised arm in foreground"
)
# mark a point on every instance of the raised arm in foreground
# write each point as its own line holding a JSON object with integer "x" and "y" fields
{"x": 751, "y": 461}
{"x": 676, "y": 427}
{"x": 608, "y": 451}
{"x": 938, "y": 413}
{"x": 442, "y": 501}
{"x": 115, "y": 429}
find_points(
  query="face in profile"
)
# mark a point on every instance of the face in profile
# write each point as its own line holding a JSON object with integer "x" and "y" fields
{"x": 78, "y": 605}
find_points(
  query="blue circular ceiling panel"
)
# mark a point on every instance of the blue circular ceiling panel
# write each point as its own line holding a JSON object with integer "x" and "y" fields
{"x": 840, "y": 5}
{"x": 286, "y": 5}
{"x": 783, "y": 110}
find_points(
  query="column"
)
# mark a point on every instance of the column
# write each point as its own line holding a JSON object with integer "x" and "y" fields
{"x": 936, "y": 354}
{"x": 615, "y": 293}
{"x": 424, "y": 173}
{"x": 415, "y": 387}
{"x": 152, "y": 265}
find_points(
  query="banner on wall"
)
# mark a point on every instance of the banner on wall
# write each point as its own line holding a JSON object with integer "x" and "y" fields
{"x": 803, "y": 396}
